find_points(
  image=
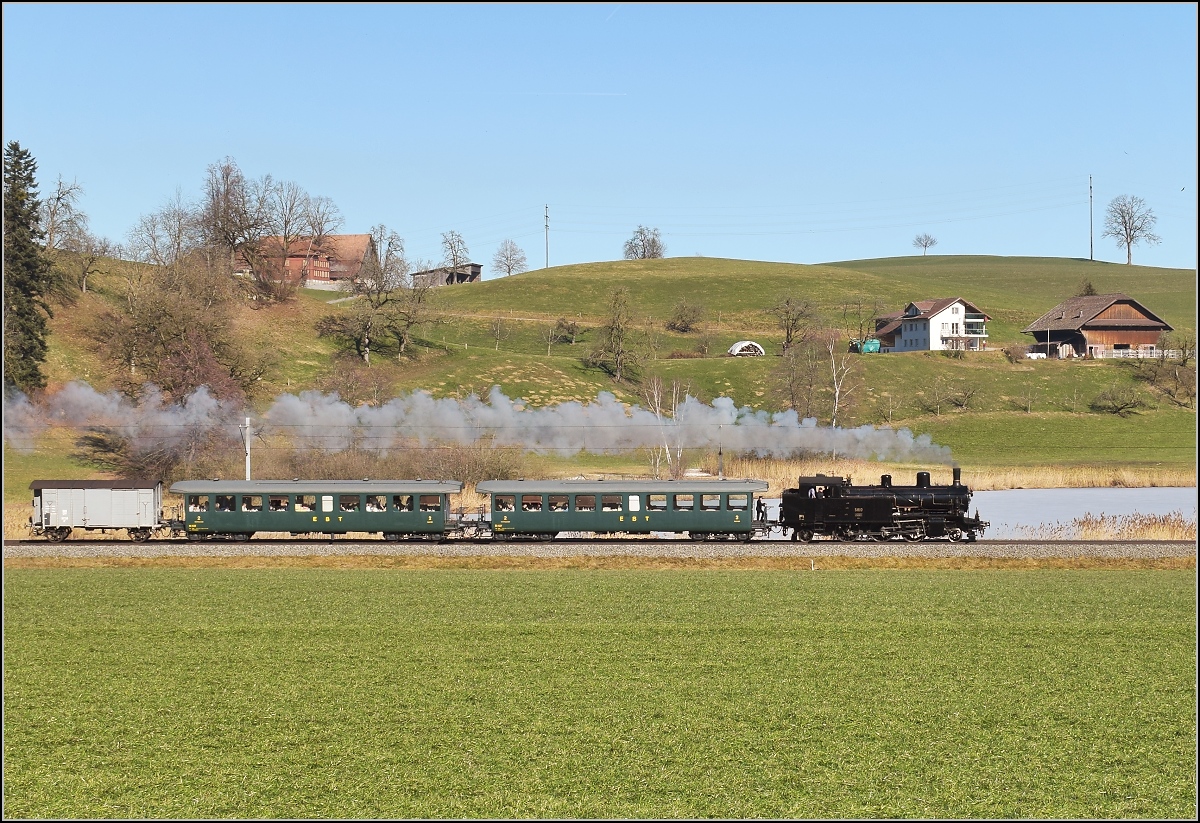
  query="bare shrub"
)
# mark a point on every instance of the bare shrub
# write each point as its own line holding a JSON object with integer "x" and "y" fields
{"x": 1016, "y": 352}
{"x": 1119, "y": 400}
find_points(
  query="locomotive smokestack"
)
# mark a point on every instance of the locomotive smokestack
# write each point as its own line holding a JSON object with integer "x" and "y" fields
{"x": 922, "y": 480}
{"x": 885, "y": 480}
{"x": 957, "y": 476}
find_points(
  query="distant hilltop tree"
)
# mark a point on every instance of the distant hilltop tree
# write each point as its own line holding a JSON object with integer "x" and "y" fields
{"x": 924, "y": 242}
{"x": 510, "y": 259}
{"x": 1129, "y": 221}
{"x": 646, "y": 244}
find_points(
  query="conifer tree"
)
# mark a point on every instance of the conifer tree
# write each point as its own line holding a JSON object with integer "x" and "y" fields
{"x": 27, "y": 273}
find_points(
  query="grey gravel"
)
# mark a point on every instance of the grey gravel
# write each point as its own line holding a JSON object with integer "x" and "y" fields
{"x": 640, "y": 548}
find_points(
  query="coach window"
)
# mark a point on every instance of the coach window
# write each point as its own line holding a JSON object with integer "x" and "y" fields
{"x": 327, "y": 502}
{"x": 402, "y": 502}
{"x": 531, "y": 502}
{"x": 635, "y": 502}
{"x": 558, "y": 502}
{"x": 306, "y": 502}
{"x": 376, "y": 503}
{"x": 431, "y": 503}
{"x": 348, "y": 502}
{"x": 277, "y": 503}
{"x": 611, "y": 502}
{"x": 252, "y": 502}
{"x": 656, "y": 503}
{"x": 685, "y": 502}
{"x": 710, "y": 502}
{"x": 197, "y": 502}
{"x": 585, "y": 502}
{"x": 225, "y": 503}
{"x": 506, "y": 503}
{"x": 737, "y": 502}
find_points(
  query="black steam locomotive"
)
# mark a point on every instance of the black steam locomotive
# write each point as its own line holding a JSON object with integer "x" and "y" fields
{"x": 826, "y": 506}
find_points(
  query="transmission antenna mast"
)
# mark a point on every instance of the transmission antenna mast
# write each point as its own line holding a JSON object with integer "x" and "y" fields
{"x": 547, "y": 235}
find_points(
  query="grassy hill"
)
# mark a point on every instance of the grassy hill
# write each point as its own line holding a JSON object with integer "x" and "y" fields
{"x": 1026, "y": 413}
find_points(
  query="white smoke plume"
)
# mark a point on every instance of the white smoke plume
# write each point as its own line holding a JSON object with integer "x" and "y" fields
{"x": 151, "y": 420}
{"x": 317, "y": 420}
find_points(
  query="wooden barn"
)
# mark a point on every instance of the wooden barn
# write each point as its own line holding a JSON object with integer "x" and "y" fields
{"x": 1098, "y": 325}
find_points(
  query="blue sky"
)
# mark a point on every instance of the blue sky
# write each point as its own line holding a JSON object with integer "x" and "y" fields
{"x": 794, "y": 133}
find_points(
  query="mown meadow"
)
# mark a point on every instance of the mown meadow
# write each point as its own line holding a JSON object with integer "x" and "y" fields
{"x": 492, "y": 693}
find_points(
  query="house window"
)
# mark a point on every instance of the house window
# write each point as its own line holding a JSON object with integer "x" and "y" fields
{"x": 954, "y": 310}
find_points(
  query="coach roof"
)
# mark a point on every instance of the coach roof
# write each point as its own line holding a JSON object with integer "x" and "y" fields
{"x": 317, "y": 487}
{"x": 619, "y": 486}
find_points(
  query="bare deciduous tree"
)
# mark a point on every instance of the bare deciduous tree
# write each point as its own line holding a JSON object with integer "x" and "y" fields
{"x": 799, "y": 379}
{"x": 663, "y": 403}
{"x": 455, "y": 254}
{"x": 685, "y": 316}
{"x": 794, "y": 317}
{"x": 646, "y": 244}
{"x": 614, "y": 351}
{"x": 924, "y": 242}
{"x": 1129, "y": 221}
{"x": 499, "y": 330}
{"x": 510, "y": 259}
{"x": 844, "y": 370}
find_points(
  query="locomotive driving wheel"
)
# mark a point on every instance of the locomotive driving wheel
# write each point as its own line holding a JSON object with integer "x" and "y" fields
{"x": 954, "y": 535}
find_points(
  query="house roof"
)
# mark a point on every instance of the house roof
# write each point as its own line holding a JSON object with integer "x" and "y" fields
{"x": 1074, "y": 313}
{"x": 889, "y": 323}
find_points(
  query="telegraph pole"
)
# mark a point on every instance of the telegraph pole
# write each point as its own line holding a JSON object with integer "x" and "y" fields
{"x": 547, "y": 235}
{"x": 1091, "y": 230}
{"x": 246, "y": 440}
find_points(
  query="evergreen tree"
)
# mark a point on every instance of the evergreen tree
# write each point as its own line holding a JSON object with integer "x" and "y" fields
{"x": 27, "y": 273}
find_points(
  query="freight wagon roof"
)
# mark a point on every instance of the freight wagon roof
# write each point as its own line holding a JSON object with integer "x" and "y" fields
{"x": 316, "y": 486}
{"x": 618, "y": 486}
{"x": 120, "y": 483}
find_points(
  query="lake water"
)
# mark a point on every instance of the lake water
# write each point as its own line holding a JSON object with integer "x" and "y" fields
{"x": 1012, "y": 510}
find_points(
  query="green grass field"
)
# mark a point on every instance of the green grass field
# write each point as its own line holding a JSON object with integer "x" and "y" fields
{"x": 199, "y": 693}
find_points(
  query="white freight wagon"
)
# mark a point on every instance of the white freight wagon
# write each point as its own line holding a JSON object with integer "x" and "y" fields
{"x": 62, "y": 505}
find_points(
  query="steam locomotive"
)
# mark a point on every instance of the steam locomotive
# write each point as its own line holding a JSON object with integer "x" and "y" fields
{"x": 830, "y": 506}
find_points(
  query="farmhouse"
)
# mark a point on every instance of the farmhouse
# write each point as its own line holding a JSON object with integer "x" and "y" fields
{"x": 933, "y": 325}
{"x": 319, "y": 265}
{"x": 445, "y": 276}
{"x": 1098, "y": 325}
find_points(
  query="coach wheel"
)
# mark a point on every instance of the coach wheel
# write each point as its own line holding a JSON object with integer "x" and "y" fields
{"x": 699, "y": 537}
{"x": 139, "y": 535}
{"x": 745, "y": 537}
{"x": 58, "y": 535}
{"x": 804, "y": 536}
{"x": 954, "y": 535}
{"x": 195, "y": 537}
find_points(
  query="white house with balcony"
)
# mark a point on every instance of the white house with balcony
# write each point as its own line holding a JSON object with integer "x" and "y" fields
{"x": 933, "y": 325}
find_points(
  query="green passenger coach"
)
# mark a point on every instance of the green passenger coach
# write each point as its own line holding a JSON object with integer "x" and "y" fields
{"x": 236, "y": 509}
{"x": 703, "y": 509}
